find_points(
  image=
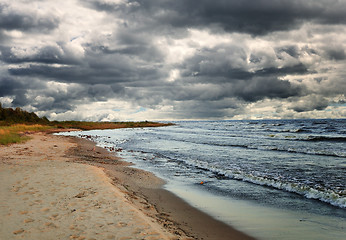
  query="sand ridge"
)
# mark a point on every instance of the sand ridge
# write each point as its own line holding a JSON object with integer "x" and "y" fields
{"x": 43, "y": 195}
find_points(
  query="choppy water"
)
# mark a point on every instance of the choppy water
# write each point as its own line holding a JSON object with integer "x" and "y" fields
{"x": 298, "y": 165}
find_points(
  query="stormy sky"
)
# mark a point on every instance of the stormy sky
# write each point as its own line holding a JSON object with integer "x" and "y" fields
{"x": 109, "y": 60}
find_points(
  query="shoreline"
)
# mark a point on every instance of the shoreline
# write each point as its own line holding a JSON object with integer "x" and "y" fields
{"x": 58, "y": 187}
{"x": 172, "y": 212}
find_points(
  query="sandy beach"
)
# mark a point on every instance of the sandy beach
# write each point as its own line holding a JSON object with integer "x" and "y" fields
{"x": 55, "y": 187}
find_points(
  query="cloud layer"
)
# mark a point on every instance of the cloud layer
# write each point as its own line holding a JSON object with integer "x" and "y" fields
{"x": 181, "y": 59}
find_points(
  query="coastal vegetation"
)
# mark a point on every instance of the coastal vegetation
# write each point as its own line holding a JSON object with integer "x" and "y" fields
{"x": 16, "y": 133}
{"x": 9, "y": 116}
{"x": 16, "y": 123}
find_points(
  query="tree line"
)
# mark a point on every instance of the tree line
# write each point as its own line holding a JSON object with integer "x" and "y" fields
{"x": 17, "y": 115}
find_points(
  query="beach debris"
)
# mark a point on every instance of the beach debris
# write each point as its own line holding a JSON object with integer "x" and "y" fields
{"x": 201, "y": 183}
{"x": 111, "y": 149}
{"x": 114, "y": 149}
{"x": 81, "y": 194}
{"x": 19, "y": 231}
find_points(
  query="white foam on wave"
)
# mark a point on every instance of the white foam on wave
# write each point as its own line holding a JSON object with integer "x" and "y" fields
{"x": 324, "y": 195}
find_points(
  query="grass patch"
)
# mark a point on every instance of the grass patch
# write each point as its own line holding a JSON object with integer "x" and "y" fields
{"x": 16, "y": 133}
{"x": 12, "y": 138}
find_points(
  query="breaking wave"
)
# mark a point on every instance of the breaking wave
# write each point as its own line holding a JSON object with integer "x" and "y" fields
{"x": 337, "y": 199}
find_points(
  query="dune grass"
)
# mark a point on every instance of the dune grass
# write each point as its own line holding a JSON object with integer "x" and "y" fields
{"x": 16, "y": 133}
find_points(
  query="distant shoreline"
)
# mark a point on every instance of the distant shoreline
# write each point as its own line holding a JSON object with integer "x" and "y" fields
{"x": 15, "y": 132}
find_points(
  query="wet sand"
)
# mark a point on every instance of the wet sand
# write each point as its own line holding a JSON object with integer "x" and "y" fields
{"x": 56, "y": 187}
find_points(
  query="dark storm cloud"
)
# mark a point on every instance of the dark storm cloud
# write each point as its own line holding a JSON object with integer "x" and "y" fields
{"x": 18, "y": 89}
{"x": 228, "y": 63}
{"x": 292, "y": 50}
{"x": 227, "y": 66}
{"x": 20, "y": 99}
{"x": 310, "y": 103}
{"x": 27, "y": 90}
{"x": 336, "y": 53}
{"x": 93, "y": 73}
{"x": 129, "y": 43}
{"x": 46, "y": 55}
{"x": 135, "y": 61}
{"x": 8, "y": 86}
{"x": 224, "y": 61}
{"x": 260, "y": 88}
{"x": 298, "y": 69}
{"x": 251, "y": 90}
{"x": 59, "y": 105}
{"x": 12, "y": 20}
{"x": 3, "y": 36}
{"x": 207, "y": 109}
{"x": 58, "y": 100}
{"x": 248, "y": 16}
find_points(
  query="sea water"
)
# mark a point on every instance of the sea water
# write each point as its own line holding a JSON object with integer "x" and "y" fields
{"x": 273, "y": 179}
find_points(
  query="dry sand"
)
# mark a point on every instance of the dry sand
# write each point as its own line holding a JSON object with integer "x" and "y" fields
{"x": 55, "y": 187}
{"x": 45, "y": 197}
